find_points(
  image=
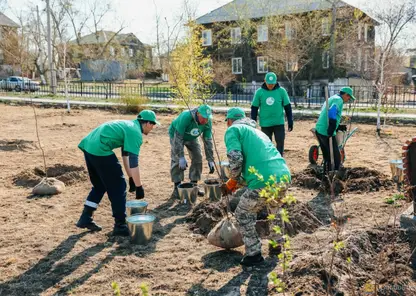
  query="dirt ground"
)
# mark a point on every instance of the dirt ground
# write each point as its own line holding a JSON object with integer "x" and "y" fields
{"x": 43, "y": 253}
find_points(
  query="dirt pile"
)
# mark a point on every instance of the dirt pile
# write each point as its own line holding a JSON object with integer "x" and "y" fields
{"x": 69, "y": 174}
{"x": 205, "y": 216}
{"x": 376, "y": 253}
{"x": 357, "y": 179}
{"x": 303, "y": 218}
{"x": 17, "y": 144}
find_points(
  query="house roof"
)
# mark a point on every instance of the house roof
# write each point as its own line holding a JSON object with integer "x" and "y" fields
{"x": 102, "y": 37}
{"x": 247, "y": 9}
{"x": 5, "y": 21}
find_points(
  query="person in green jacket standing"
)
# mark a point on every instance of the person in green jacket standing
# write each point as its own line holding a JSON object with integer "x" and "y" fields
{"x": 272, "y": 99}
{"x": 248, "y": 147}
{"x": 105, "y": 171}
{"x": 184, "y": 132}
{"x": 327, "y": 125}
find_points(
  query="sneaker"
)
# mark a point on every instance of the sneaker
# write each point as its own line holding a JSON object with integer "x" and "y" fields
{"x": 175, "y": 193}
{"x": 252, "y": 260}
{"x": 121, "y": 230}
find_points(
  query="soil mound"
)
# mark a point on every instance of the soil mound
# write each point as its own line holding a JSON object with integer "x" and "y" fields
{"x": 69, "y": 174}
{"x": 357, "y": 179}
{"x": 303, "y": 218}
{"x": 378, "y": 251}
{"x": 17, "y": 144}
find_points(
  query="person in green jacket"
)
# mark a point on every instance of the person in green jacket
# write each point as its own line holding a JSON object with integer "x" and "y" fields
{"x": 184, "y": 132}
{"x": 272, "y": 99}
{"x": 327, "y": 125}
{"x": 105, "y": 171}
{"x": 249, "y": 147}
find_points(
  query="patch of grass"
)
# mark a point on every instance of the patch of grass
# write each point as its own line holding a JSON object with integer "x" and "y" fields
{"x": 393, "y": 199}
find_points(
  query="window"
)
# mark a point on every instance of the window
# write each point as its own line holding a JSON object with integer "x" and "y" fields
{"x": 348, "y": 58}
{"x": 262, "y": 66}
{"x": 123, "y": 51}
{"x": 365, "y": 32}
{"x": 262, "y": 33}
{"x": 326, "y": 27}
{"x": 359, "y": 31}
{"x": 359, "y": 59}
{"x": 325, "y": 59}
{"x": 290, "y": 31}
{"x": 112, "y": 51}
{"x": 131, "y": 52}
{"x": 206, "y": 37}
{"x": 235, "y": 35}
{"x": 366, "y": 57}
{"x": 237, "y": 65}
{"x": 291, "y": 66}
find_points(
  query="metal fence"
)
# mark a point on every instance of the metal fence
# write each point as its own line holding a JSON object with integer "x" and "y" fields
{"x": 401, "y": 97}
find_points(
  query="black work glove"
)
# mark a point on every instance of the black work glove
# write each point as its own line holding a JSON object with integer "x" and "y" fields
{"x": 132, "y": 186}
{"x": 139, "y": 192}
{"x": 290, "y": 126}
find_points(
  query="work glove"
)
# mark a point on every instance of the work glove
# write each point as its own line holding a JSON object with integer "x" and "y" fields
{"x": 229, "y": 187}
{"x": 182, "y": 163}
{"x": 132, "y": 186}
{"x": 290, "y": 125}
{"x": 139, "y": 192}
{"x": 211, "y": 166}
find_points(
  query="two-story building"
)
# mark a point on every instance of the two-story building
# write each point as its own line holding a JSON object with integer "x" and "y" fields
{"x": 111, "y": 48}
{"x": 239, "y": 31}
{"x": 9, "y": 65}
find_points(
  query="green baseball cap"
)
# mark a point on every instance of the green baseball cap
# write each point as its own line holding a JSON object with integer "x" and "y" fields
{"x": 235, "y": 113}
{"x": 205, "y": 111}
{"x": 148, "y": 115}
{"x": 270, "y": 78}
{"x": 348, "y": 90}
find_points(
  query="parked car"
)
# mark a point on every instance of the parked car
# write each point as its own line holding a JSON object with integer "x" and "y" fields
{"x": 18, "y": 83}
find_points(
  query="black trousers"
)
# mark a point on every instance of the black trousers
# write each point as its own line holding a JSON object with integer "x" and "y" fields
{"x": 106, "y": 175}
{"x": 324, "y": 143}
{"x": 279, "y": 135}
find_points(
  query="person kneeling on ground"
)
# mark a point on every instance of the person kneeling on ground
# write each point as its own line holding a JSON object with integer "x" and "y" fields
{"x": 184, "y": 131}
{"x": 105, "y": 171}
{"x": 327, "y": 125}
{"x": 248, "y": 147}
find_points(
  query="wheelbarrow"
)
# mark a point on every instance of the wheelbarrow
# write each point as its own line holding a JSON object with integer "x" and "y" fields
{"x": 342, "y": 137}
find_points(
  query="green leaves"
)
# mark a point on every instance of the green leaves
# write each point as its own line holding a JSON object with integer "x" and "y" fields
{"x": 339, "y": 245}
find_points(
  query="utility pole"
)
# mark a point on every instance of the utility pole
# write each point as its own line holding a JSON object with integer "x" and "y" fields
{"x": 50, "y": 59}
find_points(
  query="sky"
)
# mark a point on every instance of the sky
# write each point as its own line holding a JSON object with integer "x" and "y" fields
{"x": 139, "y": 15}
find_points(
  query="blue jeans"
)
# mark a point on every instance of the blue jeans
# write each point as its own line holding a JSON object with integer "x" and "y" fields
{"x": 106, "y": 175}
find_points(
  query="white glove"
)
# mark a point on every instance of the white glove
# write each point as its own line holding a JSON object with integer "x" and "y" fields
{"x": 182, "y": 163}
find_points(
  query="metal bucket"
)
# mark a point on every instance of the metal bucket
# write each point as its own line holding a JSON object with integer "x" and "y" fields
{"x": 140, "y": 227}
{"x": 393, "y": 166}
{"x": 399, "y": 173}
{"x": 225, "y": 170}
{"x": 135, "y": 207}
{"x": 188, "y": 193}
{"x": 212, "y": 189}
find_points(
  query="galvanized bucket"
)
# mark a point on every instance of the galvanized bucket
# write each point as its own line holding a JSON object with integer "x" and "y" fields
{"x": 225, "y": 170}
{"x": 393, "y": 166}
{"x": 135, "y": 207}
{"x": 140, "y": 227}
{"x": 188, "y": 193}
{"x": 212, "y": 189}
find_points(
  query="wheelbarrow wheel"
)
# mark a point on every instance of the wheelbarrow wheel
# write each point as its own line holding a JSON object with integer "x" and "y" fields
{"x": 314, "y": 154}
{"x": 342, "y": 152}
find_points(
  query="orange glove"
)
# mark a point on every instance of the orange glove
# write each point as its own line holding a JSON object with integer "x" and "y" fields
{"x": 231, "y": 184}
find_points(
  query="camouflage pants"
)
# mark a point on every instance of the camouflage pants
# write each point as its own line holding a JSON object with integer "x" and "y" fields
{"x": 195, "y": 153}
{"x": 246, "y": 213}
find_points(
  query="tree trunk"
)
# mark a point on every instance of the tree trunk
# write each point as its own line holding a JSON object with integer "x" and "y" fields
{"x": 332, "y": 49}
{"x": 226, "y": 96}
{"x": 292, "y": 82}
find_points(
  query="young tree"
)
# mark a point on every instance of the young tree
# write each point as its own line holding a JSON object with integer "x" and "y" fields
{"x": 394, "y": 19}
{"x": 223, "y": 75}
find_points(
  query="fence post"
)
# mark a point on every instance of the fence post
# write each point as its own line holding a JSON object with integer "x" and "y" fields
{"x": 395, "y": 94}
{"x": 81, "y": 88}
